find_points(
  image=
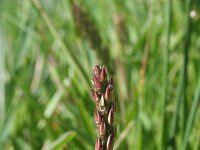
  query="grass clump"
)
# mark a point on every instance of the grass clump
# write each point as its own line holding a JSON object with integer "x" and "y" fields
{"x": 47, "y": 50}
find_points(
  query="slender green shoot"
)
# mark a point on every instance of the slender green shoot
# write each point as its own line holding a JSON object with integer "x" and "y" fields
{"x": 165, "y": 74}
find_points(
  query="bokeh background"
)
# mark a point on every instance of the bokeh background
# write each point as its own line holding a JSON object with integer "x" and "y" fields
{"x": 49, "y": 47}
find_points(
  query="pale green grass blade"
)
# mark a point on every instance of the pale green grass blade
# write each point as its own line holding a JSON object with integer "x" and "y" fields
{"x": 2, "y": 74}
{"x": 128, "y": 130}
{"x": 53, "y": 103}
{"x": 61, "y": 141}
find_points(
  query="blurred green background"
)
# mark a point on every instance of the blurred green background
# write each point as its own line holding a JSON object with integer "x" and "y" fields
{"x": 49, "y": 47}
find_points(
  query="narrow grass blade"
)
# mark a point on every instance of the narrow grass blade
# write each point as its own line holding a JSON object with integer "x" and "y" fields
{"x": 123, "y": 134}
{"x": 193, "y": 111}
{"x": 2, "y": 75}
{"x": 165, "y": 74}
{"x": 53, "y": 103}
{"x": 174, "y": 122}
{"x": 72, "y": 59}
{"x": 183, "y": 81}
{"x": 185, "y": 61}
{"x": 84, "y": 116}
{"x": 61, "y": 141}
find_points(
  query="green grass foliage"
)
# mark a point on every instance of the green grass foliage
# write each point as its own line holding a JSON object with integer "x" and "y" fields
{"x": 49, "y": 47}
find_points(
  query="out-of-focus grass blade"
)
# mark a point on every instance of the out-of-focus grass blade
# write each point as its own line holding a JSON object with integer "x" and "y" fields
{"x": 22, "y": 144}
{"x": 123, "y": 134}
{"x": 61, "y": 141}
{"x": 197, "y": 147}
{"x": 9, "y": 126}
{"x": 2, "y": 74}
{"x": 146, "y": 121}
{"x": 194, "y": 107}
{"x": 186, "y": 50}
{"x": 53, "y": 103}
{"x": 85, "y": 118}
{"x": 51, "y": 33}
{"x": 72, "y": 59}
{"x": 11, "y": 20}
{"x": 163, "y": 133}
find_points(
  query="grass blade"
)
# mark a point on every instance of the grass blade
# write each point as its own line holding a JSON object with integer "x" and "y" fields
{"x": 191, "y": 118}
{"x": 53, "y": 103}
{"x": 68, "y": 52}
{"x": 61, "y": 141}
{"x": 123, "y": 134}
{"x": 2, "y": 75}
{"x": 183, "y": 83}
{"x": 186, "y": 57}
{"x": 165, "y": 74}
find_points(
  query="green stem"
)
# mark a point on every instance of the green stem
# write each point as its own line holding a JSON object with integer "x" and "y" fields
{"x": 2, "y": 67}
{"x": 165, "y": 75}
{"x": 191, "y": 118}
{"x": 176, "y": 113}
{"x": 183, "y": 83}
{"x": 185, "y": 65}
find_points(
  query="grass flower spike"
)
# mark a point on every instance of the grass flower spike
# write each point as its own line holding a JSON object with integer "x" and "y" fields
{"x": 105, "y": 108}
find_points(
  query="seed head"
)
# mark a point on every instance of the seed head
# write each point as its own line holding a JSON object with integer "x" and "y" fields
{"x": 108, "y": 93}
{"x": 109, "y": 144}
{"x": 97, "y": 71}
{"x": 105, "y": 108}
{"x": 98, "y": 145}
{"x": 110, "y": 117}
{"x": 102, "y": 129}
{"x": 103, "y": 75}
{"x": 97, "y": 83}
{"x": 113, "y": 107}
{"x": 95, "y": 96}
{"x": 102, "y": 107}
{"x": 97, "y": 118}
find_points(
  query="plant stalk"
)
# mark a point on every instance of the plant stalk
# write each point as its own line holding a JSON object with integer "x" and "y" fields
{"x": 165, "y": 75}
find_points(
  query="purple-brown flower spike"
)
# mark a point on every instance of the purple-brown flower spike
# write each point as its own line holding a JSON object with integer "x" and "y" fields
{"x": 96, "y": 70}
{"x": 105, "y": 108}
{"x": 114, "y": 106}
{"x": 110, "y": 140}
{"x": 107, "y": 94}
{"x": 97, "y": 118}
{"x": 114, "y": 131}
{"x": 97, "y": 83}
{"x": 102, "y": 129}
{"x": 98, "y": 145}
{"x": 95, "y": 96}
{"x": 110, "y": 83}
{"x": 110, "y": 117}
{"x": 102, "y": 107}
{"x": 103, "y": 75}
